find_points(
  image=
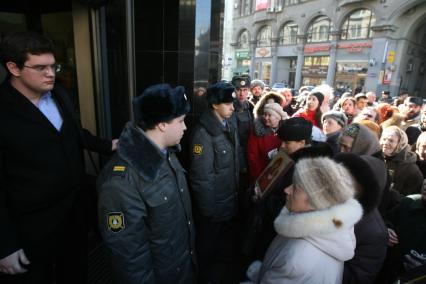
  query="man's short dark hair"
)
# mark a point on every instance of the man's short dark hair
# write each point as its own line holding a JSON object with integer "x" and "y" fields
{"x": 16, "y": 47}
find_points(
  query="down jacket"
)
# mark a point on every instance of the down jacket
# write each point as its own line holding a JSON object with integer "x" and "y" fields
{"x": 145, "y": 216}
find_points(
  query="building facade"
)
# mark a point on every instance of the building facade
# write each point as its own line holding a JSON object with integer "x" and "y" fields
{"x": 374, "y": 45}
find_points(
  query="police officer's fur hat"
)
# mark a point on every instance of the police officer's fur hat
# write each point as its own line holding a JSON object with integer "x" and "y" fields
{"x": 220, "y": 93}
{"x": 242, "y": 81}
{"x": 160, "y": 103}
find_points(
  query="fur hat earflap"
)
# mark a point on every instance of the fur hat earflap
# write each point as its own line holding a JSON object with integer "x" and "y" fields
{"x": 160, "y": 103}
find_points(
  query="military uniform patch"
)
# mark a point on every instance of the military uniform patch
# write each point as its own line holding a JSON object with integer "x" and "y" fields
{"x": 119, "y": 168}
{"x": 115, "y": 222}
{"x": 242, "y": 83}
{"x": 198, "y": 149}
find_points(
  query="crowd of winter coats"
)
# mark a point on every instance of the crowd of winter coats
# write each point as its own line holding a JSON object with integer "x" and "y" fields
{"x": 379, "y": 140}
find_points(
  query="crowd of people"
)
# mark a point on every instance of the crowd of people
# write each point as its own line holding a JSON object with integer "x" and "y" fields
{"x": 347, "y": 206}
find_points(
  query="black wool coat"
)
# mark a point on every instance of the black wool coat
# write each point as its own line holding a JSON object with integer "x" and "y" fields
{"x": 41, "y": 169}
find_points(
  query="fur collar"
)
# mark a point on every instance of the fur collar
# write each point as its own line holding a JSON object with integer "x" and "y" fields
{"x": 259, "y": 127}
{"x": 139, "y": 151}
{"x": 211, "y": 123}
{"x": 320, "y": 222}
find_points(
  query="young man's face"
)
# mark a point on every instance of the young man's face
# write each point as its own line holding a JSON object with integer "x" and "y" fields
{"x": 256, "y": 91}
{"x": 361, "y": 103}
{"x": 38, "y": 73}
{"x": 411, "y": 110}
{"x": 174, "y": 130}
{"x": 224, "y": 110}
{"x": 242, "y": 94}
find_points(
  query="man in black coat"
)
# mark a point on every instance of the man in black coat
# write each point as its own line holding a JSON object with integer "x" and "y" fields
{"x": 41, "y": 169}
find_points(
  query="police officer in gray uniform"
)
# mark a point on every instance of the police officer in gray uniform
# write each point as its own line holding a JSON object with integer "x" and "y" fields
{"x": 144, "y": 208}
{"x": 214, "y": 177}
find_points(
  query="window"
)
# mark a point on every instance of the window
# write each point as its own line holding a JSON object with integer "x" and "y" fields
{"x": 319, "y": 30}
{"x": 288, "y": 34}
{"x": 243, "y": 40}
{"x": 264, "y": 36}
{"x": 358, "y": 25}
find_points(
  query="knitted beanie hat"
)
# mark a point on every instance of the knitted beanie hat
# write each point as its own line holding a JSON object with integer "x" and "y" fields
{"x": 326, "y": 182}
{"x": 276, "y": 110}
{"x": 338, "y": 116}
{"x": 318, "y": 95}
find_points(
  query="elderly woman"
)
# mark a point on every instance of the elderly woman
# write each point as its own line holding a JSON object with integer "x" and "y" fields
{"x": 315, "y": 228}
{"x": 332, "y": 124}
{"x": 358, "y": 139}
{"x": 312, "y": 109}
{"x": 262, "y": 138}
{"x": 400, "y": 161}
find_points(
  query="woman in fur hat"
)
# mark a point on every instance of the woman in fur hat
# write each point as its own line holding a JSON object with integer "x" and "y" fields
{"x": 262, "y": 138}
{"x": 400, "y": 161}
{"x": 315, "y": 228}
{"x": 370, "y": 232}
{"x": 311, "y": 111}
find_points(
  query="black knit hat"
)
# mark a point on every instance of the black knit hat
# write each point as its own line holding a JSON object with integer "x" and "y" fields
{"x": 220, "y": 93}
{"x": 295, "y": 129}
{"x": 160, "y": 103}
{"x": 414, "y": 100}
{"x": 319, "y": 96}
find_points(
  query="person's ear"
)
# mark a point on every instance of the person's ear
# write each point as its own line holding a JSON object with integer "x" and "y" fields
{"x": 13, "y": 68}
{"x": 161, "y": 126}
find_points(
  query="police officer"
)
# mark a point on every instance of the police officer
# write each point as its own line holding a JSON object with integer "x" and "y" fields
{"x": 214, "y": 181}
{"x": 144, "y": 208}
{"x": 243, "y": 116}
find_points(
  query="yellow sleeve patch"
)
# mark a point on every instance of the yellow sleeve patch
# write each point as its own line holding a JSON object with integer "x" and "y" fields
{"x": 119, "y": 169}
{"x": 198, "y": 149}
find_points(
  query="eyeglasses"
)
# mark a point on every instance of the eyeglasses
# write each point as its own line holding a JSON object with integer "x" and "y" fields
{"x": 43, "y": 68}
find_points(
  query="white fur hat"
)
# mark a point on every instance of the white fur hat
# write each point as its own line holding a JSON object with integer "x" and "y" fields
{"x": 275, "y": 109}
{"x": 326, "y": 182}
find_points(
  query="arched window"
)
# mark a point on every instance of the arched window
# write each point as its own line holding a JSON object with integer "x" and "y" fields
{"x": 288, "y": 34}
{"x": 358, "y": 25}
{"x": 243, "y": 40}
{"x": 264, "y": 36}
{"x": 319, "y": 30}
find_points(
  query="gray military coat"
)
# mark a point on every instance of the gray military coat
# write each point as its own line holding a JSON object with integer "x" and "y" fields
{"x": 145, "y": 215}
{"x": 214, "y": 170}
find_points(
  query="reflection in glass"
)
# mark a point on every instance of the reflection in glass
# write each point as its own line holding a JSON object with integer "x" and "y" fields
{"x": 319, "y": 30}
{"x": 358, "y": 25}
{"x": 288, "y": 34}
{"x": 264, "y": 36}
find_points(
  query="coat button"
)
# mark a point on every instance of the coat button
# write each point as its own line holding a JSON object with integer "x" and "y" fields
{"x": 181, "y": 190}
{"x": 189, "y": 223}
{"x": 165, "y": 198}
{"x": 224, "y": 151}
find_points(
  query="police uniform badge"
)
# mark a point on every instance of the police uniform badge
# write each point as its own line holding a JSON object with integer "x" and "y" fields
{"x": 115, "y": 221}
{"x": 198, "y": 149}
{"x": 119, "y": 170}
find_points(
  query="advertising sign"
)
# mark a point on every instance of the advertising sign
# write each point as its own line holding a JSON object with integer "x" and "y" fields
{"x": 263, "y": 52}
{"x": 261, "y": 5}
{"x": 391, "y": 56}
